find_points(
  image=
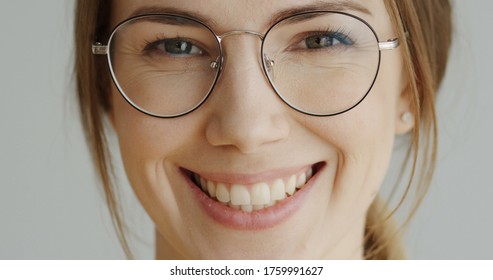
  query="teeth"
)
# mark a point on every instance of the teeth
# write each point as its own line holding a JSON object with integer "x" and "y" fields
{"x": 272, "y": 203}
{"x": 309, "y": 173}
{"x": 239, "y": 195}
{"x": 247, "y": 208}
{"x": 211, "y": 188}
{"x": 237, "y": 207}
{"x": 197, "y": 179}
{"x": 301, "y": 180}
{"x": 203, "y": 184}
{"x": 277, "y": 190}
{"x": 258, "y": 207}
{"x": 260, "y": 194}
{"x": 222, "y": 193}
{"x": 254, "y": 197}
{"x": 291, "y": 185}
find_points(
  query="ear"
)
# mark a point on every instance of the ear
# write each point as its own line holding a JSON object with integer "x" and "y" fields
{"x": 404, "y": 112}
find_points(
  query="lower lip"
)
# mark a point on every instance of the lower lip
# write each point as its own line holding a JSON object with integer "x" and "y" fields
{"x": 256, "y": 220}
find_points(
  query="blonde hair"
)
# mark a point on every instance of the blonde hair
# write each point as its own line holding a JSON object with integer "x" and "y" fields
{"x": 426, "y": 25}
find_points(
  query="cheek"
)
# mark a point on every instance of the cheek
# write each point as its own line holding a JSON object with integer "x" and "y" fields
{"x": 363, "y": 139}
{"x": 143, "y": 137}
{"x": 145, "y": 145}
{"x": 365, "y": 135}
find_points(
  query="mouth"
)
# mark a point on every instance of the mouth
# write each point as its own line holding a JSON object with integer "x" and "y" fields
{"x": 248, "y": 195}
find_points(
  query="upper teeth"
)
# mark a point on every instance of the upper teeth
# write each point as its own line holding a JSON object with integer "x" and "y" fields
{"x": 256, "y": 196}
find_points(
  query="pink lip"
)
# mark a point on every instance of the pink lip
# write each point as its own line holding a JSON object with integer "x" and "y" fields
{"x": 256, "y": 220}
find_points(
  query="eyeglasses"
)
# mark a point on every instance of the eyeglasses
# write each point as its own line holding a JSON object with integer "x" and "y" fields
{"x": 320, "y": 63}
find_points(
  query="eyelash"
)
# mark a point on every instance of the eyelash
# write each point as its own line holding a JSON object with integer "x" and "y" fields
{"x": 341, "y": 34}
{"x": 150, "y": 45}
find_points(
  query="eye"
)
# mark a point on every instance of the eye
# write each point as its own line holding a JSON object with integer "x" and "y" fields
{"x": 174, "y": 47}
{"x": 326, "y": 40}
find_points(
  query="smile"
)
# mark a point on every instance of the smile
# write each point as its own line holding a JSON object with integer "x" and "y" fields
{"x": 253, "y": 201}
{"x": 256, "y": 196}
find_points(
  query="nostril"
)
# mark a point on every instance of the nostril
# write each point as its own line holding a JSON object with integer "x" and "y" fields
{"x": 248, "y": 133}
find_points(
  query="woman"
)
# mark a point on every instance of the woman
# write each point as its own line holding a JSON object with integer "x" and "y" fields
{"x": 262, "y": 130}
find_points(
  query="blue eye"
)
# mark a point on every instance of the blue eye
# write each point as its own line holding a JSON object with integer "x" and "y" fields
{"x": 175, "y": 47}
{"x": 326, "y": 40}
{"x": 178, "y": 47}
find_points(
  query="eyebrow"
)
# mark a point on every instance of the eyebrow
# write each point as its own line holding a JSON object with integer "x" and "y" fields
{"x": 146, "y": 10}
{"x": 337, "y": 6}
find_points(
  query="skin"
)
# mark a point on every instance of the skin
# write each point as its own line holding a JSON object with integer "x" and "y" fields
{"x": 245, "y": 128}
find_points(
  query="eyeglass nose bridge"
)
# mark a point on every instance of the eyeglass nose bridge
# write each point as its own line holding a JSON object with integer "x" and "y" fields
{"x": 239, "y": 32}
{"x": 269, "y": 62}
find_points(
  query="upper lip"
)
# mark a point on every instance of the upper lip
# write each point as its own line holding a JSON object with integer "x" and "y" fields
{"x": 251, "y": 178}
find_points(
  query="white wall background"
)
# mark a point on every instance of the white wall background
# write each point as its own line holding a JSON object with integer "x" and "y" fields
{"x": 51, "y": 207}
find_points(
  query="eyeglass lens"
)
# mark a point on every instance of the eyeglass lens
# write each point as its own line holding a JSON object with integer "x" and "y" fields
{"x": 320, "y": 63}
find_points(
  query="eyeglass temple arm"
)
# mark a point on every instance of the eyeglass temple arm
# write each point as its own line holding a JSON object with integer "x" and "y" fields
{"x": 98, "y": 48}
{"x": 389, "y": 44}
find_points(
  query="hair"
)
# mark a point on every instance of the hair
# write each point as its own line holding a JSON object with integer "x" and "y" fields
{"x": 425, "y": 28}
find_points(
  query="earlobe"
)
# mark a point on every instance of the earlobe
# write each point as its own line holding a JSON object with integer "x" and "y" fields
{"x": 404, "y": 123}
{"x": 404, "y": 114}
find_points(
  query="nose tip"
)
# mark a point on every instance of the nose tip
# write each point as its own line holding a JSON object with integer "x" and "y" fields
{"x": 248, "y": 133}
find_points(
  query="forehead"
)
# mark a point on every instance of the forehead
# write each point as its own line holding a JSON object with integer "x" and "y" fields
{"x": 257, "y": 15}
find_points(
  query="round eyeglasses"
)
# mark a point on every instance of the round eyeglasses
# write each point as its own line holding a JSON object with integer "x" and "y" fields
{"x": 320, "y": 63}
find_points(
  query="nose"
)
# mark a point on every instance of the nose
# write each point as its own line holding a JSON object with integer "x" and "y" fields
{"x": 246, "y": 113}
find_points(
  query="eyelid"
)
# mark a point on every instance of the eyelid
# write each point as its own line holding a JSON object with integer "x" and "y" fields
{"x": 296, "y": 40}
{"x": 160, "y": 39}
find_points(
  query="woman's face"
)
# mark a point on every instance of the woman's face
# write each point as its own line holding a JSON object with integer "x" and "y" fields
{"x": 245, "y": 146}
